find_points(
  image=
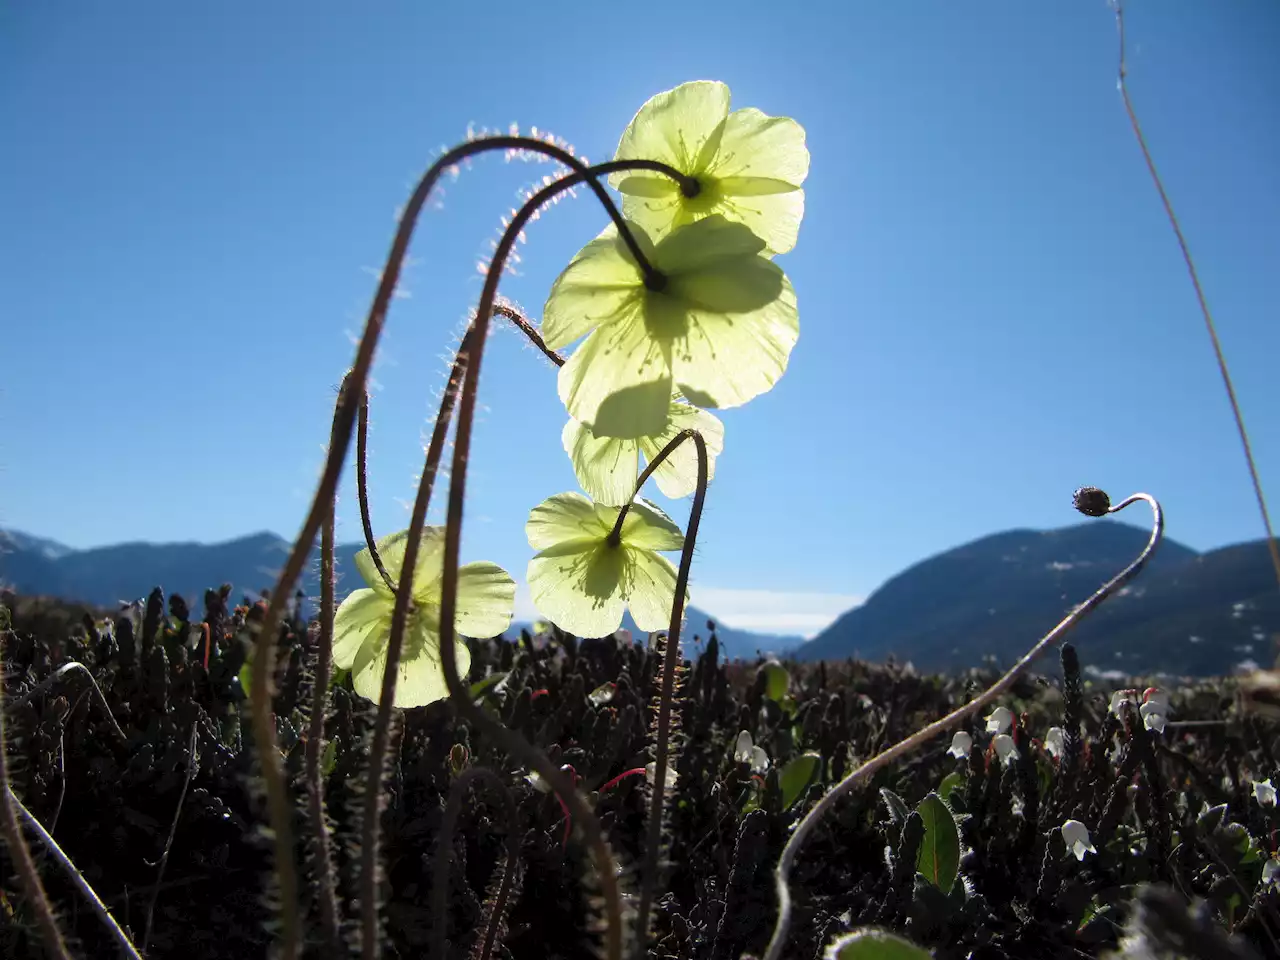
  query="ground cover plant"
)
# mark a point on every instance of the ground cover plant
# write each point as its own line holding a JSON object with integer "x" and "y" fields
{"x": 391, "y": 779}
{"x": 164, "y": 824}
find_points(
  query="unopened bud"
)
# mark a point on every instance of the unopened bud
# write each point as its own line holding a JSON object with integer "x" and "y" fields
{"x": 1091, "y": 501}
{"x": 458, "y": 757}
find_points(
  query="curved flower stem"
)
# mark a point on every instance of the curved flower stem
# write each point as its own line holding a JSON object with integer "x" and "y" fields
{"x": 442, "y": 423}
{"x": 867, "y": 770}
{"x": 35, "y": 826}
{"x": 20, "y": 854}
{"x": 511, "y": 742}
{"x": 362, "y": 487}
{"x": 662, "y": 744}
{"x": 472, "y": 349}
{"x": 193, "y": 761}
{"x": 263, "y": 682}
{"x": 1272, "y": 544}
{"x": 444, "y": 848}
{"x": 57, "y": 675}
{"x": 322, "y": 862}
{"x": 516, "y": 317}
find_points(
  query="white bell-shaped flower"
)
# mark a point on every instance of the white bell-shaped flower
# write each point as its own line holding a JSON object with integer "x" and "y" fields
{"x": 1264, "y": 792}
{"x": 745, "y": 751}
{"x": 999, "y": 720}
{"x": 1076, "y": 836}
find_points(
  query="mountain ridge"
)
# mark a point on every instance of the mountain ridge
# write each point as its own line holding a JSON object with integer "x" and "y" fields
{"x": 114, "y": 573}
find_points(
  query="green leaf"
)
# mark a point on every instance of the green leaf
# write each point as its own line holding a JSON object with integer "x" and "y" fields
{"x": 1210, "y": 819}
{"x": 797, "y": 775}
{"x": 329, "y": 758}
{"x": 952, "y": 781}
{"x": 776, "y": 680}
{"x": 870, "y": 944}
{"x": 482, "y": 688}
{"x": 898, "y": 811}
{"x": 939, "y": 857}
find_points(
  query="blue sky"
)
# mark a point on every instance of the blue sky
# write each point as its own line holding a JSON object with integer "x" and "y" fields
{"x": 196, "y": 200}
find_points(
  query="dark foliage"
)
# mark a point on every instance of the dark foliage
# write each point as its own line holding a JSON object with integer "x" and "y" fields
{"x": 1175, "y": 810}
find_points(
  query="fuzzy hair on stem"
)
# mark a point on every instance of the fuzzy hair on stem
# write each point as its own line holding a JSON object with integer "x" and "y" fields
{"x": 805, "y": 828}
{"x": 670, "y": 659}
{"x": 322, "y": 858}
{"x": 362, "y": 488}
{"x": 95, "y": 902}
{"x": 263, "y": 683}
{"x": 473, "y": 348}
{"x": 20, "y": 854}
{"x": 193, "y": 762}
{"x": 444, "y": 850}
{"x": 514, "y": 744}
{"x": 56, "y": 677}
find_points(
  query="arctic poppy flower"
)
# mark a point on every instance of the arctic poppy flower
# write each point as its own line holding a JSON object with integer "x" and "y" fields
{"x": 582, "y": 581}
{"x": 717, "y": 325}
{"x": 748, "y": 165}
{"x": 362, "y": 624}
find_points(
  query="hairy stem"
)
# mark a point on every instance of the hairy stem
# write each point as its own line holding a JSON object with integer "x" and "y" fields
{"x": 1272, "y": 545}
{"x": 662, "y": 746}
{"x": 55, "y": 677}
{"x": 510, "y": 741}
{"x": 95, "y": 902}
{"x": 472, "y": 348}
{"x": 192, "y": 765}
{"x": 362, "y": 487}
{"x": 263, "y": 683}
{"x": 20, "y": 854}
{"x": 806, "y": 826}
{"x": 444, "y": 850}
{"x": 322, "y": 863}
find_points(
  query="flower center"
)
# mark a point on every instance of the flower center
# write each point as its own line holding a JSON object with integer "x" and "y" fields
{"x": 690, "y": 187}
{"x": 655, "y": 281}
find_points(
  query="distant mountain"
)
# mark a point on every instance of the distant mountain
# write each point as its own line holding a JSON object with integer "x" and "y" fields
{"x": 1187, "y": 613}
{"x": 104, "y": 576}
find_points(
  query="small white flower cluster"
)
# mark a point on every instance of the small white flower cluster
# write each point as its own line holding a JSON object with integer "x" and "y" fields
{"x": 1153, "y": 706}
{"x": 745, "y": 751}
{"x": 999, "y": 722}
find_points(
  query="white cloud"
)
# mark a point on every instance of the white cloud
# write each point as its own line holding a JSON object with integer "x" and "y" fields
{"x": 773, "y": 611}
{"x": 762, "y": 611}
{"x": 526, "y": 612}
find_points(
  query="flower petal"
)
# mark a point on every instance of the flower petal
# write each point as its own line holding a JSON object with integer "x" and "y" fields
{"x": 647, "y": 527}
{"x": 727, "y": 358}
{"x": 619, "y": 381}
{"x": 773, "y": 216}
{"x": 486, "y": 600}
{"x": 420, "y": 677}
{"x": 606, "y": 467}
{"x": 427, "y": 568}
{"x": 677, "y": 476}
{"x": 650, "y": 588}
{"x": 758, "y": 145}
{"x": 681, "y": 127}
{"x": 363, "y": 620}
{"x": 705, "y": 245}
{"x": 577, "y": 585}
{"x": 600, "y": 285}
{"x": 566, "y": 517}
